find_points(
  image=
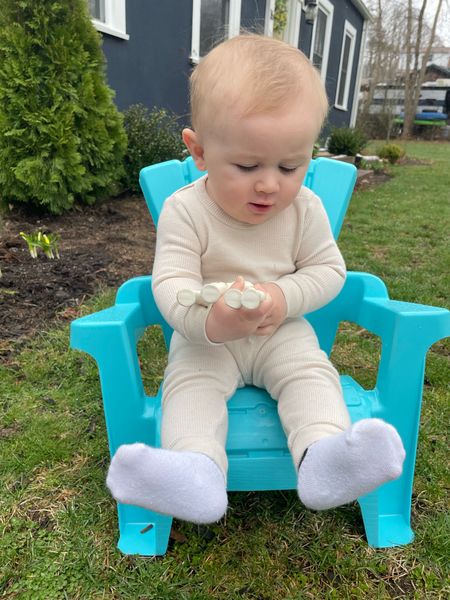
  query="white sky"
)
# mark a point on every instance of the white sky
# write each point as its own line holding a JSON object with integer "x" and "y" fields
{"x": 443, "y": 27}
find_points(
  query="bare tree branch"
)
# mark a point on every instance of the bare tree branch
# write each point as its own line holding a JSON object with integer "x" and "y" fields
{"x": 415, "y": 79}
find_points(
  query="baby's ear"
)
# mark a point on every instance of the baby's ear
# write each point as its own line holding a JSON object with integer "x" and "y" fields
{"x": 193, "y": 144}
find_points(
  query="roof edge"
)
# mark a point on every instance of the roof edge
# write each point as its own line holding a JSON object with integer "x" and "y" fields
{"x": 359, "y": 4}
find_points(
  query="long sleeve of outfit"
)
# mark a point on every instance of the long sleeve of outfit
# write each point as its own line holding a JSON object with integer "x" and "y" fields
{"x": 198, "y": 243}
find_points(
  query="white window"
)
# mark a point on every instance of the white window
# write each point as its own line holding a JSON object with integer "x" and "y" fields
{"x": 345, "y": 67}
{"x": 321, "y": 37}
{"x": 109, "y": 16}
{"x": 291, "y": 11}
{"x": 213, "y": 21}
{"x": 97, "y": 8}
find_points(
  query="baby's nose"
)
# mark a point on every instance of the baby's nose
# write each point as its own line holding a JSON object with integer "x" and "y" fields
{"x": 267, "y": 183}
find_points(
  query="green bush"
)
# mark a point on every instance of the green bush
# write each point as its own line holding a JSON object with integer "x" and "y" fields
{"x": 153, "y": 136}
{"x": 61, "y": 137}
{"x": 345, "y": 140}
{"x": 391, "y": 152}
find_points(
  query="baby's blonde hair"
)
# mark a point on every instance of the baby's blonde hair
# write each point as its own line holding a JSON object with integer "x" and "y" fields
{"x": 253, "y": 74}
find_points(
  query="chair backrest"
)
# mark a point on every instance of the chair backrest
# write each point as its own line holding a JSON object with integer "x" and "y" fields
{"x": 333, "y": 181}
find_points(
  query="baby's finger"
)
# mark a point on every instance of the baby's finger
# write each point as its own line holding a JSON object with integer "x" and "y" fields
{"x": 266, "y": 304}
{"x": 262, "y": 331}
{"x": 266, "y": 321}
{"x": 239, "y": 283}
{"x": 257, "y": 315}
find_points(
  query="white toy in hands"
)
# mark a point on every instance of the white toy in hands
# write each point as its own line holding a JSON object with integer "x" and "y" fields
{"x": 249, "y": 298}
{"x": 210, "y": 293}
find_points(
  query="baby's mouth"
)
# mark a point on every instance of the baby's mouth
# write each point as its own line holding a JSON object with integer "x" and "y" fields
{"x": 259, "y": 207}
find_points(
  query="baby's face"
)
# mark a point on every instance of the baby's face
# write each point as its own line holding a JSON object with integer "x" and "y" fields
{"x": 256, "y": 164}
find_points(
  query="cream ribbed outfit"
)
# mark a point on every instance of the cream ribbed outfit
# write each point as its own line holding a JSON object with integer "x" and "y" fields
{"x": 198, "y": 243}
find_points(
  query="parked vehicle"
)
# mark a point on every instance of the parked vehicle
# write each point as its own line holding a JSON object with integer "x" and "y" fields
{"x": 434, "y": 101}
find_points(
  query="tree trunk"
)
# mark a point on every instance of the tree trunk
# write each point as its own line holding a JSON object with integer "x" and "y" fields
{"x": 416, "y": 78}
{"x": 408, "y": 118}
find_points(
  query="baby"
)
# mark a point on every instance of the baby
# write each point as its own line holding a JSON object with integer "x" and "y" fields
{"x": 257, "y": 108}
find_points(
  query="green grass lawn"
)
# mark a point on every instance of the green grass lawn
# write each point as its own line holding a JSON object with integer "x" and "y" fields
{"x": 58, "y": 523}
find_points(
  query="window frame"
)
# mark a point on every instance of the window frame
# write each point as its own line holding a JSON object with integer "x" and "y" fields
{"x": 349, "y": 31}
{"x": 234, "y": 24}
{"x": 328, "y": 8}
{"x": 115, "y": 19}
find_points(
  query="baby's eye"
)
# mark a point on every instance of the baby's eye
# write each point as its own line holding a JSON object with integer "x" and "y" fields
{"x": 246, "y": 167}
{"x": 288, "y": 169}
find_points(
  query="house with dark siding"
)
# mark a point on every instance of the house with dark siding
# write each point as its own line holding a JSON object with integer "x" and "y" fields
{"x": 151, "y": 46}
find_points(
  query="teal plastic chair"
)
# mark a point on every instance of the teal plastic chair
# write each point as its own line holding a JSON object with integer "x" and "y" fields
{"x": 258, "y": 455}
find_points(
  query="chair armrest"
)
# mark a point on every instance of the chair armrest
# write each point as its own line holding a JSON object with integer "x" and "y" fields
{"x": 364, "y": 300}
{"x": 407, "y": 330}
{"x": 134, "y": 311}
{"x": 110, "y": 336}
{"x": 420, "y": 324}
{"x": 89, "y": 333}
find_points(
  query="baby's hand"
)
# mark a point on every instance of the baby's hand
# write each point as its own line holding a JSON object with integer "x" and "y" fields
{"x": 278, "y": 310}
{"x": 225, "y": 324}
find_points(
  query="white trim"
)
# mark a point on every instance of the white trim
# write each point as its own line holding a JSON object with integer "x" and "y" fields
{"x": 268, "y": 19}
{"x": 99, "y": 26}
{"x": 363, "y": 10}
{"x": 292, "y": 31}
{"x": 234, "y": 25}
{"x": 328, "y": 9}
{"x": 349, "y": 31}
{"x": 195, "y": 38}
{"x": 115, "y": 19}
{"x": 359, "y": 71}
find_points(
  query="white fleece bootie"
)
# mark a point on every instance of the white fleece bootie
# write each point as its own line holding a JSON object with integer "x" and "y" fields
{"x": 185, "y": 485}
{"x": 341, "y": 468}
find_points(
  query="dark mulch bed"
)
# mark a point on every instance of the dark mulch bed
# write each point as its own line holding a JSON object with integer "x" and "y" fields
{"x": 100, "y": 246}
{"x": 371, "y": 178}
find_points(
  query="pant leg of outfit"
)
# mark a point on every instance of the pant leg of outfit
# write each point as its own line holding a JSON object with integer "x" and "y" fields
{"x": 198, "y": 381}
{"x": 294, "y": 370}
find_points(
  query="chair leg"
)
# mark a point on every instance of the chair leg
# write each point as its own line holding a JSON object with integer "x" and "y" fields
{"x": 387, "y": 510}
{"x": 385, "y": 529}
{"x": 143, "y": 532}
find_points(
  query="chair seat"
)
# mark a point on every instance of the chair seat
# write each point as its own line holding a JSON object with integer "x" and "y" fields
{"x": 259, "y": 458}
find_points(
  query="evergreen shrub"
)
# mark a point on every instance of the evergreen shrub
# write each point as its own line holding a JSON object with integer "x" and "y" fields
{"x": 391, "y": 152}
{"x": 153, "y": 136}
{"x": 61, "y": 137}
{"x": 346, "y": 140}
